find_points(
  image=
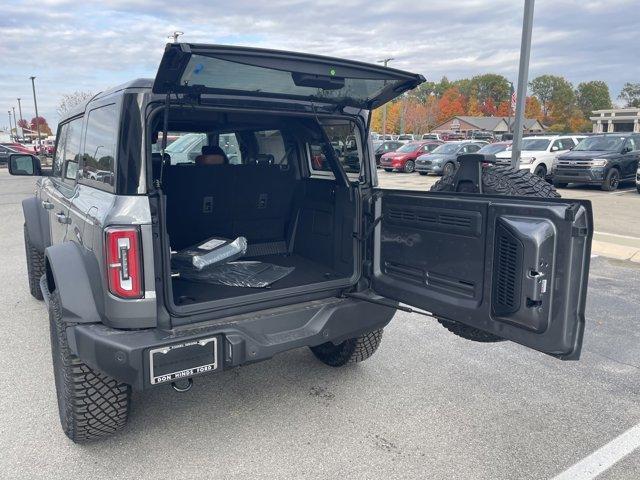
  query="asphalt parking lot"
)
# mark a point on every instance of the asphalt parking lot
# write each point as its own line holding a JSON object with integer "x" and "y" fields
{"x": 426, "y": 405}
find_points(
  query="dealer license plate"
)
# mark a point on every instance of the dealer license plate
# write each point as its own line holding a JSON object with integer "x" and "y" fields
{"x": 183, "y": 360}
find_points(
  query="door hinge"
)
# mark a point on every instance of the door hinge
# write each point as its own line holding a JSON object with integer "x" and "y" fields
{"x": 579, "y": 231}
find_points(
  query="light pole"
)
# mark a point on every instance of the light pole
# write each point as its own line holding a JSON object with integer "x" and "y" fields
{"x": 35, "y": 103}
{"x": 523, "y": 76}
{"x": 10, "y": 127}
{"x": 15, "y": 120}
{"x": 384, "y": 107}
{"x": 20, "y": 110}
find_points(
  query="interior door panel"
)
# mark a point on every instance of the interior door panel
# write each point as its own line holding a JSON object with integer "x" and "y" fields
{"x": 514, "y": 267}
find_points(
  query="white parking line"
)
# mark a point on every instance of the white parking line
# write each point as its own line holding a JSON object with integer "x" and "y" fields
{"x": 622, "y": 192}
{"x": 604, "y": 458}
{"x": 616, "y": 235}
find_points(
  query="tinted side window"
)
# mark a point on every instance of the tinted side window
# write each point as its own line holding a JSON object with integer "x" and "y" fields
{"x": 71, "y": 157}
{"x": 342, "y": 135}
{"x": 100, "y": 145}
{"x": 631, "y": 144}
{"x": 58, "y": 160}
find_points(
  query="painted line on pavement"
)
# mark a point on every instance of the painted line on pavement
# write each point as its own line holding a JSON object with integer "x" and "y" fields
{"x": 604, "y": 458}
{"x": 622, "y": 192}
{"x": 616, "y": 235}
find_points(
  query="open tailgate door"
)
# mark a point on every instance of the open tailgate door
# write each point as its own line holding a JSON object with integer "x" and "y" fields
{"x": 515, "y": 267}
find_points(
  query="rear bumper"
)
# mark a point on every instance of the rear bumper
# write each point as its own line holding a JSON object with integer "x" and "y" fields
{"x": 124, "y": 354}
{"x": 582, "y": 175}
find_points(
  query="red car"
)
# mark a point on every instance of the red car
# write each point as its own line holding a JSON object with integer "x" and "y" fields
{"x": 18, "y": 147}
{"x": 404, "y": 159}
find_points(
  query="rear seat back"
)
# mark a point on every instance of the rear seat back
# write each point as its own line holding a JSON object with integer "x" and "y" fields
{"x": 254, "y": 201}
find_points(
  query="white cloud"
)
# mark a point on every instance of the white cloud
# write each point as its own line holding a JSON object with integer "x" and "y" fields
{"x": 90, "y": 46}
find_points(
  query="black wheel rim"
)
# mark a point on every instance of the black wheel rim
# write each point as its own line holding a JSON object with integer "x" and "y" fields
{"x": 448, "y": 169}
{"x": 615, "y": 180}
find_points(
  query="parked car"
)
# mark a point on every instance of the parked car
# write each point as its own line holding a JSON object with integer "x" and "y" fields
{"x": 19, "y": 147}
{"x": 386, "y": 147}
{"x": 431, "y": 136}
{"x": 494, "y": 148}
{"x": 444, "y": 159}
{"x": 404, "y": 158}
{"x": 482, "y": 135}
{"x": 5, "y": 152}
{"x": 335, "y": 257}
{"x": 452, "y": 136}
{"x": 538, "y": 153}
{"x": 605, "y": 160}
{"x": 406, "y": 138}
{"x": 638, "y": 178}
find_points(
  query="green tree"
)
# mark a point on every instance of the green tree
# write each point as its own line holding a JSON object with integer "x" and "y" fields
{"x": 592, "y": 96}
{"x": 631, "y": 94}
{"x": 490, "y": 86}
{"x": 464, "y": 86}
{"x": 556, "y": 96}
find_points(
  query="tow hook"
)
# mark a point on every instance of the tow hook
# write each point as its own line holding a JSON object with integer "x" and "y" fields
{"x": 181, "y": 387}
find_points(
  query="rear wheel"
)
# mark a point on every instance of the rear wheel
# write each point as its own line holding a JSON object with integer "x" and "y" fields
{"x": 91, "y": 405}
{"x": 540, "y": 171}
{"x": 422, "y": 173}
{"x": 388, "y": 169}
{"x": 497, "y": 180}
{"x": 35, "y": 266}
{"x": 409, "y": 167}
{"x": 611, "y": 181}
{"x": 352, "y": 350}
{"x": 448, "y": 169}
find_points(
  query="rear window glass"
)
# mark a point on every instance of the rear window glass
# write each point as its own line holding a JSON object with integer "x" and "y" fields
{"x": 343, "y": 144}
{"x": 241, "y": 147}
{"x": 231, "y": 76}
{"x": 184, "y": 146}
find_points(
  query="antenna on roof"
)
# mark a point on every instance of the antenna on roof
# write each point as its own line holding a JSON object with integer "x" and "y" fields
{"x": 175, "y": 36}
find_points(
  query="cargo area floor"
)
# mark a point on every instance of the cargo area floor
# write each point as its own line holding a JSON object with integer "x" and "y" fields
{"x": 305, "y": 272}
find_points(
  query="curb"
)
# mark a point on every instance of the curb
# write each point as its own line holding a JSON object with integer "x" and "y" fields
{"x": 616, "y": 246}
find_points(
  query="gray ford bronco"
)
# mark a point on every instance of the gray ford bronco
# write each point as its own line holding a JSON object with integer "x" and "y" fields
{"x": 491, "y": 253}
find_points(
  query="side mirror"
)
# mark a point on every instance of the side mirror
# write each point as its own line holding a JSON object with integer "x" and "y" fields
{"x": 625, "y": 150}
{"x": 554, "y": 148}
{"x": 24, "y": 164}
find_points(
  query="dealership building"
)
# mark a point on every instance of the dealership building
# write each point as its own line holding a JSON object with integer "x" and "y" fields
{"x": 464, "y": 124}
{"x": 616, "y": 120}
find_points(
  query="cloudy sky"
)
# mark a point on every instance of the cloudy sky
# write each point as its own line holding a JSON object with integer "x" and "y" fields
{"x": 85, "y": 45}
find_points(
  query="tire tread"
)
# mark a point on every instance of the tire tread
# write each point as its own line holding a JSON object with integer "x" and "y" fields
{"x": 92, "y": 404}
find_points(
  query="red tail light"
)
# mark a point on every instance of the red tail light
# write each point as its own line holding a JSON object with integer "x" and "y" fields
{"x": 124, "y": 261}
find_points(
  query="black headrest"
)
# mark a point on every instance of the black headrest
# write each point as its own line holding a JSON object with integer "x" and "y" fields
{"x": 213, "y": 150}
